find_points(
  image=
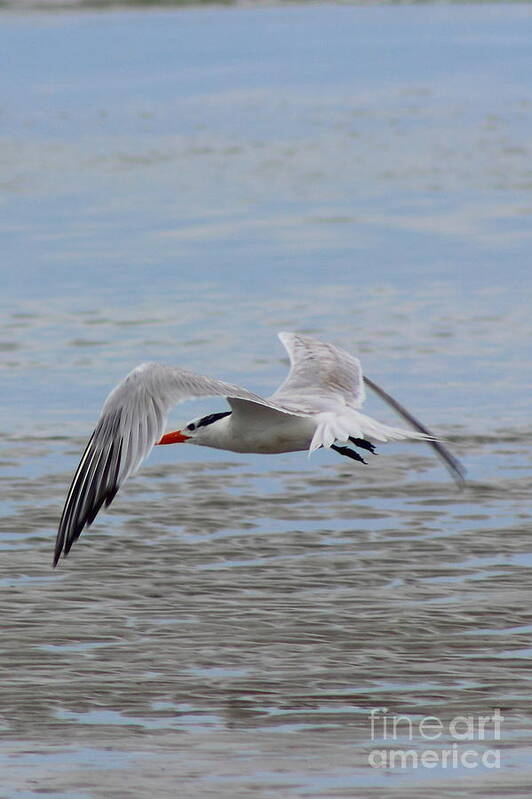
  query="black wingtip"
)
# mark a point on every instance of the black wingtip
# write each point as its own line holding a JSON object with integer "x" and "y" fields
{"x": 58, "y": 545}
{"x": 96, "y": 481}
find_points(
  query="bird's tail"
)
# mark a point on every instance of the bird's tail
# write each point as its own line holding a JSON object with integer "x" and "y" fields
{"x": 339, "y": 427}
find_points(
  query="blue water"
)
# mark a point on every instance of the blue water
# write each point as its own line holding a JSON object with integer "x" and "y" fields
{"x": 178, "y": 185}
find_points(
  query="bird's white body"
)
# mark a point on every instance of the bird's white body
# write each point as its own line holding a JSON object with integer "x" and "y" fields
{"x": 267, "y": 436}
{"x": 318, "y": 405}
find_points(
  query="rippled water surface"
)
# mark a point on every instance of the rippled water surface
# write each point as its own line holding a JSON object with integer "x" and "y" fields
{"x": 179, "y": 186}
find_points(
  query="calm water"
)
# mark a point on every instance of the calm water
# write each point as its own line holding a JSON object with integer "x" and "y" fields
{"x": 179, "y": 186}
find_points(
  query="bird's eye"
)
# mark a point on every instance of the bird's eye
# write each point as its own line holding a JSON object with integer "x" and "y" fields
{"x": 191, "y": 426}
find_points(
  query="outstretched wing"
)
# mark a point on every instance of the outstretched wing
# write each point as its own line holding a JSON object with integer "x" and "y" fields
{"x": 456, "y": 469}
{"x": 133, "y": 419}
{"x": 321, "y": 376}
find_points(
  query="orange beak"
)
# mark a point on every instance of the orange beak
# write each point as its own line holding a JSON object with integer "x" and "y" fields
{"x": 176, "y": 437}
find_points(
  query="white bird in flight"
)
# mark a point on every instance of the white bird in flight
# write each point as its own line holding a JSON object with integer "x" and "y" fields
{"x": 318, "y": 405}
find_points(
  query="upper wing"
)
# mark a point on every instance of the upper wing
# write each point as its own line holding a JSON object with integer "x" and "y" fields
{"x": 321, "y": 376}
{"x": 133, "y": 419}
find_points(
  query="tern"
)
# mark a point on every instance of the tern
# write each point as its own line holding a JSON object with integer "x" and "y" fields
{"x": 317, "y": 405}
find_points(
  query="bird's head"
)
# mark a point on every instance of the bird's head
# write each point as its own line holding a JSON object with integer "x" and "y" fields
{"x": 195, "y": 431}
